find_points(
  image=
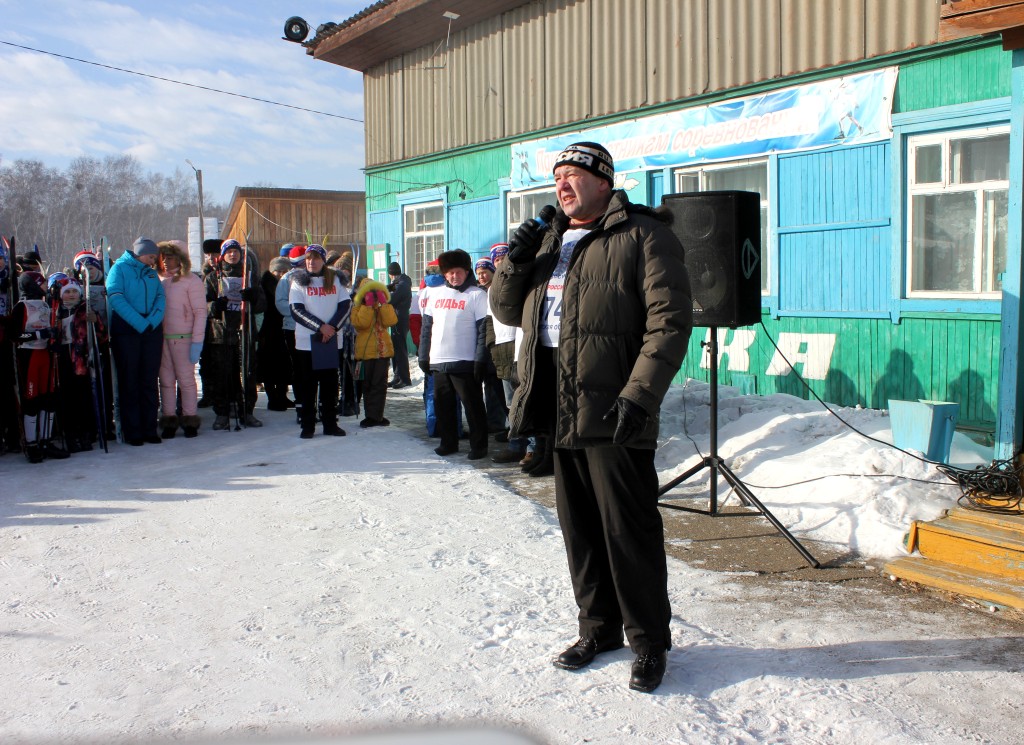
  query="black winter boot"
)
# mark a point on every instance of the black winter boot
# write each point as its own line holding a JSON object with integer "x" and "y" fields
{"x": 168, "y": 426}
{"x": 190, "y": 425}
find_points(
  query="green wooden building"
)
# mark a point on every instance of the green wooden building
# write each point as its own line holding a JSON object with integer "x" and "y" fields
{"x": 888, "y": 162}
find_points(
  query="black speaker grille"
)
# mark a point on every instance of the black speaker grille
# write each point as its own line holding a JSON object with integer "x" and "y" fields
{"x": 721, "y": 236}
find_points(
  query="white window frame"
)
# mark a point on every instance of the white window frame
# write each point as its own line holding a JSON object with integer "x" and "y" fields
{"x": 421, "y": 245}
{"x": 517, "y": 210}
{"x": 701, "y": 173}
{"x": 979, "y": 188}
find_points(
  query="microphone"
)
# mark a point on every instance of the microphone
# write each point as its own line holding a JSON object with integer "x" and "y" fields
{"x": 524, "y": 245}
{"x": 546, "y": 213}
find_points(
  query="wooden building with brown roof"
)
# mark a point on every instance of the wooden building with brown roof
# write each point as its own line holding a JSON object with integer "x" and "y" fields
{"x": 266, "y": 218}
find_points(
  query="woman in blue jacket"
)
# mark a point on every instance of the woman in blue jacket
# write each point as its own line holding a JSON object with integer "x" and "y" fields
{"x": 135, "y": 298}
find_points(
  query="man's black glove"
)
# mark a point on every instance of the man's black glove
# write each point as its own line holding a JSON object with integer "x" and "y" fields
{"x": 526, "y": 242}
{"x": 220, "y": 304}
{"x": 630, "y": 420}
{"x": 479, "y": 371}
{"x": 249, "y": 294}
{"x": 425, "y": 366}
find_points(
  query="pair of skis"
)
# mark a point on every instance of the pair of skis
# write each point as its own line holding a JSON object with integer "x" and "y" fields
{"x": 99, "y": 404}
{"x": 9, "y": 246}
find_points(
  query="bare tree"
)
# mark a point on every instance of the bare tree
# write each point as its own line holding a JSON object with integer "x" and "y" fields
{"x": 63, "y": 212}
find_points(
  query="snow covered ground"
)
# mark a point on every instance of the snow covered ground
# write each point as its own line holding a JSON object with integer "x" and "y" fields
{"x": 251, "y": 585}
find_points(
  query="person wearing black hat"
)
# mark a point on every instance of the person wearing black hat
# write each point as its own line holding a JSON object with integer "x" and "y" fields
{"x": 400, "y": 288}
{"x": 603, "y": 299}
{"x": 453, "y": 349}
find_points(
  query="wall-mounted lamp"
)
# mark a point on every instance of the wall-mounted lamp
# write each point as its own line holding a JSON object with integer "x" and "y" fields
{"x": 450, "y": 15}
{"x": 296, "y": 29}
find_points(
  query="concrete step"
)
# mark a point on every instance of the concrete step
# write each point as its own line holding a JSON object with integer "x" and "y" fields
{"x": 987, "y": 588}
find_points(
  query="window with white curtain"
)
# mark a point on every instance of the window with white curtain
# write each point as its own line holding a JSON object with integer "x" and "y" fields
{"x": 423, "y": 235}
{"x": 957, "y": 202}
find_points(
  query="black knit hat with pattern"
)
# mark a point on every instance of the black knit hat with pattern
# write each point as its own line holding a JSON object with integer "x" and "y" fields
{"x": 590, "y": 156}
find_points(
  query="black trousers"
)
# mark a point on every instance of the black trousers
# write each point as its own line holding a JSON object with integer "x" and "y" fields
{"x": 375, "y": 386}
{"x": 311, "y": 382}
{"x": 226, "y": 380}
{"x": 400, "y": 361}
{"x": 607, "y": 500}
{"x": 137, "y": 363}
{"x": 446, "y": 386}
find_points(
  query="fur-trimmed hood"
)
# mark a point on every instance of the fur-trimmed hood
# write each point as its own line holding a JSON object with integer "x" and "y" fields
{"x": 302, "y": 277}
{"x": 370, "y": 285}
{"x": 175, "y": 248}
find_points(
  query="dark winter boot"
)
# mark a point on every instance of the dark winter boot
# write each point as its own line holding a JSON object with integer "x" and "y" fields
{"x": 33, "y": 452}
{"x": 168, "y": 426}
{"x": 331, "y": 428}
{"x": 75, "y": 445}
{"x": 538, "y": 455}
{"x": 546, "y": 465}
{"x": 221, "y": 422}
{"x": 54, "y": 451}
{"x": 190, "y": 425}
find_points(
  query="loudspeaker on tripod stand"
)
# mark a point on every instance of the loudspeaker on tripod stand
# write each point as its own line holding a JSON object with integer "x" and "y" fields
{"x": 721, "y": 235}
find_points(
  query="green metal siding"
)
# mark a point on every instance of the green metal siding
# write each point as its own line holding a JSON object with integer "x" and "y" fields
{"x": 963, "y": 77}
{"x": 933, "y": 358}
{"x": 473, "y": 173}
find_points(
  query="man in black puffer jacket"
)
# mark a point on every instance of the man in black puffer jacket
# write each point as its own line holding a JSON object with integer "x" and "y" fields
{"x": 603, "y": 298}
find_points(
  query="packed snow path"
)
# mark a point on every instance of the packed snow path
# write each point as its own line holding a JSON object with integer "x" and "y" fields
{"x": 253, "y": 584}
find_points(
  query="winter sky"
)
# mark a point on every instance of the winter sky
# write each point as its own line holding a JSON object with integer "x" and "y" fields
{"x": 54, "y": 109}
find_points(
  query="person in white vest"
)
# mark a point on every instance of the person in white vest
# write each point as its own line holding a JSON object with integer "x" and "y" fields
{"x": 320, "y": 305}
{"x": 453, "y": 349}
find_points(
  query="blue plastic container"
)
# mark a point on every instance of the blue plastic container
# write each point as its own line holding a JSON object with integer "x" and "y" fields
{"x": 926, "y": 426}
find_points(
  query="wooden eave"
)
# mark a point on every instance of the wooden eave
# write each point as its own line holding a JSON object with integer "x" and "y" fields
{"x": 390, "y": 29}
{"x": 960, "y": 18}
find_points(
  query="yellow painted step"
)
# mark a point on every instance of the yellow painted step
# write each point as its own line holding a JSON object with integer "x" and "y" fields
{"x": 978, "y": 585}
{"x": 980, "y": 546}
{"x": 995, "y": 519}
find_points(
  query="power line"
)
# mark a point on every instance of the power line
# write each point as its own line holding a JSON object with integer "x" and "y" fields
{"x": 179, "y": 82}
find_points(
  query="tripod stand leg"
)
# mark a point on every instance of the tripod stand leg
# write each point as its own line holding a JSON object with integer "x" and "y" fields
{"x": 742, "y": 489}
{"x": 681, "y": 478}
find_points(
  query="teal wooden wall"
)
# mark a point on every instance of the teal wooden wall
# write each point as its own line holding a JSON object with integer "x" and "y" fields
{"x": 833, "y": 244}
{"x": 871, "y": 361}
{"x": 834, "y": 238}
{"x": 975, "y": 74}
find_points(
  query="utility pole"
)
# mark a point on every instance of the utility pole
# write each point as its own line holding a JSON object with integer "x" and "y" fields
{"x": 199, "y": 181}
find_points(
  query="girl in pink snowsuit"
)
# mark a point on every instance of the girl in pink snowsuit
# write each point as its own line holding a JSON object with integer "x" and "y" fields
{"x": 184, "y": 331}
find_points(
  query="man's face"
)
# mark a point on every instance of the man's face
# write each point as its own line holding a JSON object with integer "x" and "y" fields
{"x": 232, "y": 256}
{"x": 483, "y": 276}
{"x": 456, "y": 276}
{"x": 583, "y": 195}
{"x": 148, "y": 259}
